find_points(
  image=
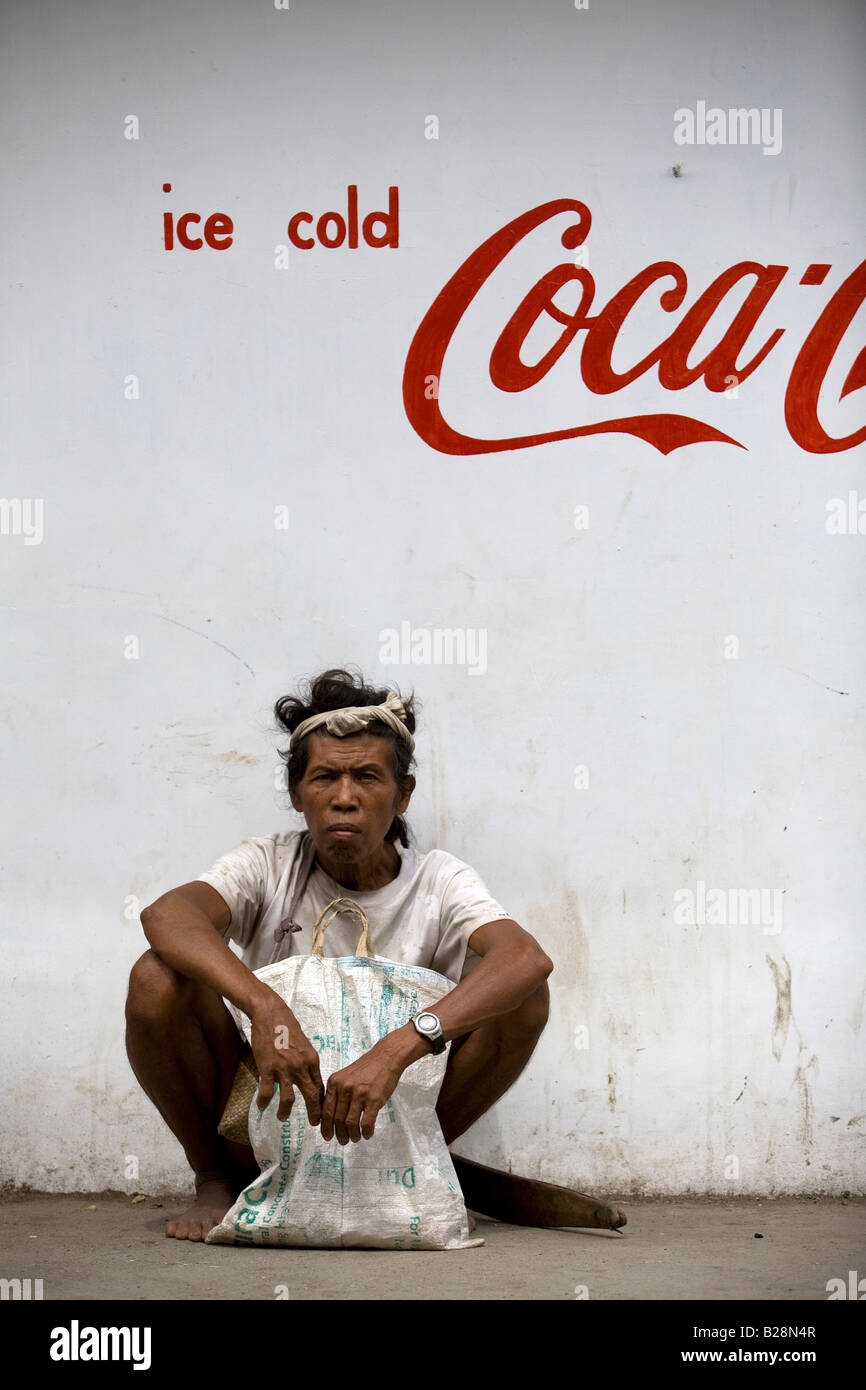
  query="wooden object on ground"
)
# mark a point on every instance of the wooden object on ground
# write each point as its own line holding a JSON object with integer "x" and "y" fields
{"x": 529, "y": 1202}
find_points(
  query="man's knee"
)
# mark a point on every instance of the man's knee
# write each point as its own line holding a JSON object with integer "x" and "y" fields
{"x": 531, "y": 1016}
{"x": 154, "y": 989}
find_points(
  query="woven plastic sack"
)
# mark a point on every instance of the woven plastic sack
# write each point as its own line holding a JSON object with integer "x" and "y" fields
{"x": 396, "y": 1191}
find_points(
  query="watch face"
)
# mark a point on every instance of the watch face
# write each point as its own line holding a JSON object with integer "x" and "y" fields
{"x": 428, "y": 1023}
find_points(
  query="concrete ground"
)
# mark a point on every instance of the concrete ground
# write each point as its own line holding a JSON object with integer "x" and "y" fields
{"x": 106, "y": 1246}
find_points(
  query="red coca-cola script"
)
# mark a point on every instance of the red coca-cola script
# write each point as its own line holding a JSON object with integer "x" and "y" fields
{"x": 665, "y": 431}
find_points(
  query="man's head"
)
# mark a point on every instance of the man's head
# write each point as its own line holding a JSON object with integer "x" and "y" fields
{"x": 361, "y": 779}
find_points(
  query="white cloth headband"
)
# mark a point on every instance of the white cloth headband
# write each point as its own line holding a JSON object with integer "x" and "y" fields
{"x": 353, "y": 719}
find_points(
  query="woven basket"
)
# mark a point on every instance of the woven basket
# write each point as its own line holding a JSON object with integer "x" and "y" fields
{"x": 235, "y": 1120}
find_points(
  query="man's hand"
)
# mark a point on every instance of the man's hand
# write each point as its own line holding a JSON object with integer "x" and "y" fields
{"x": 285, "y": 1057}
{"x": 357, "y": 1093}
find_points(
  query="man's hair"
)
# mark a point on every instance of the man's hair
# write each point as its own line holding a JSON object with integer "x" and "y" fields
{"x": 337, "y": 689}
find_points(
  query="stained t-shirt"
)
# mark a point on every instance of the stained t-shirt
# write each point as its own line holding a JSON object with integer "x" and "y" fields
{"x": 425, "y": 916}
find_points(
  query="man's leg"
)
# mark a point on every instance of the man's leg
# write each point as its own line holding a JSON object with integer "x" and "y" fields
{"x": 183, "y": 1047}
{"x": 483, "y": 1064}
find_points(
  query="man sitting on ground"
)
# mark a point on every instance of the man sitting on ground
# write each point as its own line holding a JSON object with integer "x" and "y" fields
{"x": 348, "y": 762}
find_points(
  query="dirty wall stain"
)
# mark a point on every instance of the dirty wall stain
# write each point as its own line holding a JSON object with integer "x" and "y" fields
{"x": 807, "y": 1063}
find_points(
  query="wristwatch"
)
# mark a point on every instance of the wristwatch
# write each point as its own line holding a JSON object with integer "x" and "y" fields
{"x": 429, "y": 1027}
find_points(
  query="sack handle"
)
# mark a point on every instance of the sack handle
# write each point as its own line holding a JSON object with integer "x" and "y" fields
{"x": 334, "y": 908}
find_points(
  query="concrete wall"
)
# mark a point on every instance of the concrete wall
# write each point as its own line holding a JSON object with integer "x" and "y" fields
{"x": 673, "y": 680}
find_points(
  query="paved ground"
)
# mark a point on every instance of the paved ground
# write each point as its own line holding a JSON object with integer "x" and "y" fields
{"x": 105, "y": 1247}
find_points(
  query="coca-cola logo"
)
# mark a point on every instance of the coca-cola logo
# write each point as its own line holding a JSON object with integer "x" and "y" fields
{"x": 718, "y": 367}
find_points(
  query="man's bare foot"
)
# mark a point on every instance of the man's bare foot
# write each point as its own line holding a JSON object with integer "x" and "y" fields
{"x": 214, "y": 1195}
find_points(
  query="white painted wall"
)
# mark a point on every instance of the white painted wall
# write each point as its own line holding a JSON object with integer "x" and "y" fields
{"x": 261, "y": 387}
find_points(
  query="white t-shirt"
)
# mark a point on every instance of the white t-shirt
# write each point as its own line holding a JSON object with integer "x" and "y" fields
{"x": 425, "y": 916}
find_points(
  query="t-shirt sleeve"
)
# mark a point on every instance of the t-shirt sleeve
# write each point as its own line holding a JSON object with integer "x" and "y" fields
{"x": 241, "y": 877}
{"x": 466, "y": 905}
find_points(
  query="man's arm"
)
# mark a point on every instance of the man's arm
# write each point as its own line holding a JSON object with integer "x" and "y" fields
{"x": 184, "y": 929}
{"x": 512, "y": 967}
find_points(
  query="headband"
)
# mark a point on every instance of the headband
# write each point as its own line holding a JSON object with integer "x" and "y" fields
{"x": 353, "y": 719}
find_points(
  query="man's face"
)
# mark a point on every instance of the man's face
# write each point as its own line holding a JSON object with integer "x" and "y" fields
{"x": 349, "y": 796}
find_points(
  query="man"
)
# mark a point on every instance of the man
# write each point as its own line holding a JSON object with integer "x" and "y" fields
{"x": 348, "y": 774}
